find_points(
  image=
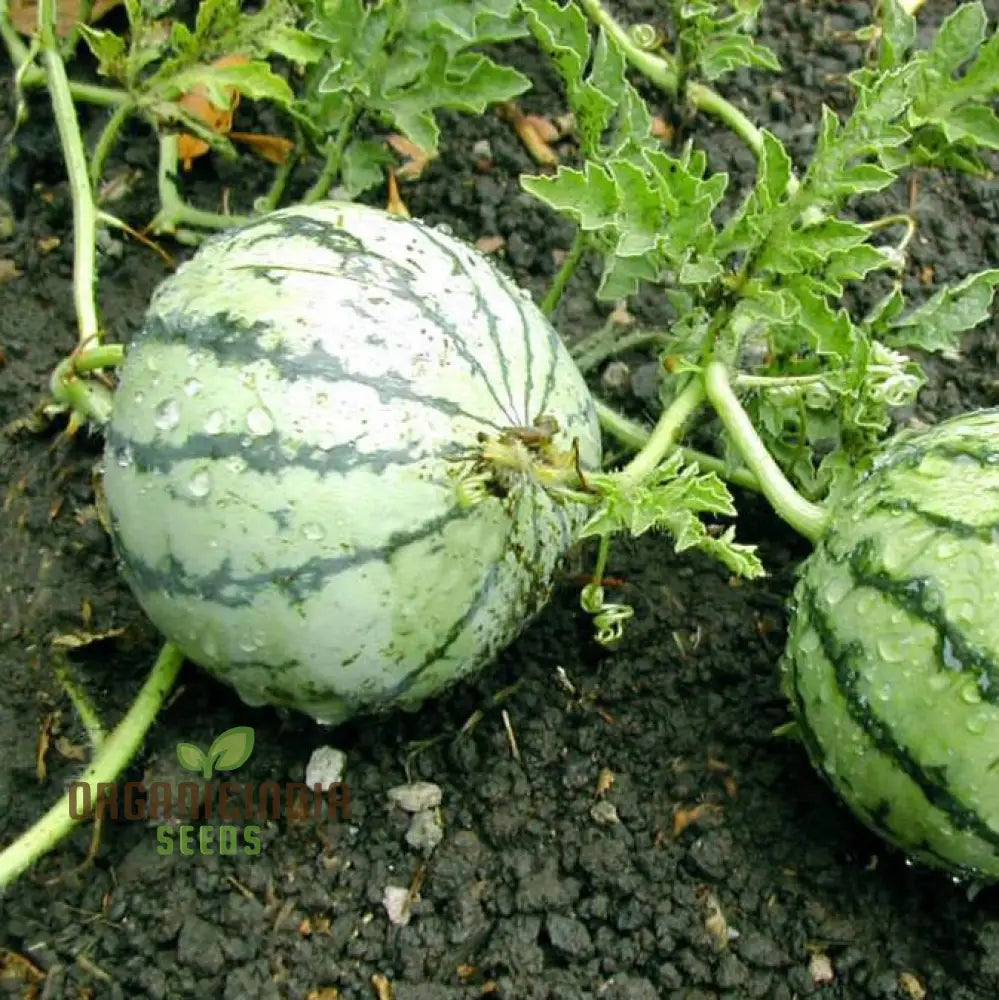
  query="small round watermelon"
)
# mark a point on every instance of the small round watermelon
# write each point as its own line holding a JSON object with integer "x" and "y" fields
{"x": 892, "y": 663}
{"x": 279, "y": 468}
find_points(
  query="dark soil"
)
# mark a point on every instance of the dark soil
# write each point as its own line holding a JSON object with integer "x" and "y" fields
{"x": 532, "y": 894}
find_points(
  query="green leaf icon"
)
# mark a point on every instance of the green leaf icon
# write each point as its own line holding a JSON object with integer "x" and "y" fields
{"x": 231, "y": 749}
{"x": 191, "y": 757}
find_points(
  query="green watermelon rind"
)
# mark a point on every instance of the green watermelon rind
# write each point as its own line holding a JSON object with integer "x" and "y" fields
{"x": 279, "y": 460}
{"x": 892, "y": 661}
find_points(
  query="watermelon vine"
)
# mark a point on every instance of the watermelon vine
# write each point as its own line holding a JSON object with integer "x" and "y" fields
{"x": 363, "y": 397}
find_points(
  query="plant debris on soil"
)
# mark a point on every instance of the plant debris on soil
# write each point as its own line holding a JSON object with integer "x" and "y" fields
{"x": 621, "y": 825}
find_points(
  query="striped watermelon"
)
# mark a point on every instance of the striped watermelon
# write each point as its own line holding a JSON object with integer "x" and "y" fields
{"x": 280, "y": 457}
{"x": 892, "y": 663}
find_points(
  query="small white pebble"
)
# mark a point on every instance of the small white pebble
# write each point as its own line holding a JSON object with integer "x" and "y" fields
{"x": 820, "y": 969}
{"x": 398, "y": 904}
{"x": 325, "y": 767}
{"x": 603, "y": 812}
{"x": 416, "y": 797}
{"x": 425, "y": 831}
{"x": 616, "y": 378}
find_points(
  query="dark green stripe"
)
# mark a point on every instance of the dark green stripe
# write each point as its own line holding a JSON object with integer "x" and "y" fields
{"x": 233, "y": 343}
{"x": 941, "y": 522}
{"x": 321, "y": 232}
{"x": 482, "y": 309}
{"x": 920, "y": 597}
{"x": 908, "y": 455}
{"x": 264, "y": 454}
{"x": 848, "y": 661}
{"x": 299, "y": 580}
{"x": 878, "y": 818}
{"x": 457, "y": 629}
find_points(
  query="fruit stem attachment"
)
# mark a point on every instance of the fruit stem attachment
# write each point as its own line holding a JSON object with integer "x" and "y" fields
{"x": 114, "y": 755}
{"x": 87, "y": 397}
{"x": 806, "y": 518}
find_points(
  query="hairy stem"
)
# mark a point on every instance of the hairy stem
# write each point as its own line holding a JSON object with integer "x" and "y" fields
{"x": 115, "y": 754}
{"x": 174, "y": 211}
{"x": 334, "y": 157}
{"x": 84, "y": 209}
{"x": 662, "y": 440}
{"x": 89, "y": 715}
{"x": 579, "y": 244}
{"x": 806, "y": 518}
{"x": 106, "y": 141}
{"x": 660, "y": 72}
{"x": 634, "y": 436}
{"x": 34, "y": 78}
{"x": 603, "y": 343}
{"x": 272, "y": 199}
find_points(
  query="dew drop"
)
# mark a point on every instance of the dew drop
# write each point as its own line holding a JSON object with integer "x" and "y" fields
{"x": 236, "y": 464}
{"x": 313, "y": 532}
{"x": 192, "y": 387}
{"x": 200, "y": 483}
{"x": 123, "y": 456}
{"x": 443, "y": 227}
{"x": 138, "y": 397}
{"x": 975, "y": 725}
{"x": 167, "y": 415}
{"x": 215, "y": 422}
{"x": 259, "y": 422}
{"x": 249, "y": 644}
{"x": 948, "y": 548}
{"x": 891, "y": 650}
{"x": 970, "y": 694}
{"x": 836, "y": 589}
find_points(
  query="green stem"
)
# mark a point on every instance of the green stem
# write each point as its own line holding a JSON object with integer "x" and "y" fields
{"x": 334, "y": 157}
{"x": 33, "y": 77}
{"x": 84, "y": 709}
{"x": 633, "y": 435}
{"x": 590, "y": 351}
{"x": 106, "y": 141}
{"x": 806, "y": 518}
{"x": 272, "y": 199}
{"x": 174, "y": 211}
{"x": 115, "y": 754}
{"x": 87, "y": 397}
{"x": 663, "y": 437}
{"x": 654, "y": 67}
{"x": 84, "y": 210}
{"x": 579, "y": 244}
{"x": 775, "y": 381}
{"x": 660, "y": 72}
{"x": 712, "y": 103}
{"x": 105, "y": 356}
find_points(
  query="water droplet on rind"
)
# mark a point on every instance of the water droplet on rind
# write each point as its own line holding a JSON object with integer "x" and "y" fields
{"x": 200, "y": 484}
{"x": 313, "y": 532}
{"x": 167, "y": 414}
{"x": 215, "y": 422}
{"x": 259, "y": 422}
{"x": 192, "y": 387}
